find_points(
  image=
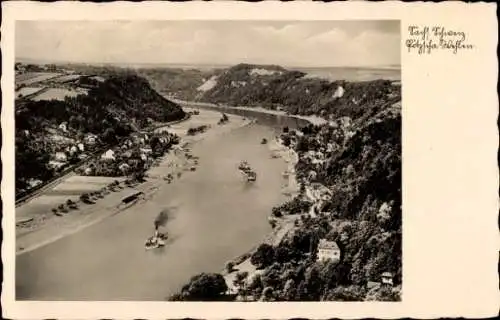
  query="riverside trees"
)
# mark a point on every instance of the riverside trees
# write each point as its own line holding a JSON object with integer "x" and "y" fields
{"x": 203, "y": 287}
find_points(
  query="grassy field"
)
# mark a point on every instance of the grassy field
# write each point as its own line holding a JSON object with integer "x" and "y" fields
{"x": 71, "y": 188}
{"x": 58, "y": 94}
{"x": 26, "y": 91}
{"x": 33, "y": 77}
{"x": 81, "y": 184}
{"x": 69, "y": 77}
{"x": 41, "y": 205}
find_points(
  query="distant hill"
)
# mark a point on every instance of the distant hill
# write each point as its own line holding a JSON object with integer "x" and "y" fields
{"x": 275, "y": 87}
{"x": 177, "y": 82}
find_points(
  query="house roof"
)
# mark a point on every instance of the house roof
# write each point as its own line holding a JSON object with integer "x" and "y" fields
{"x": 372, "y": 284}
{"x": 386, "y": 274}
{"x": 325, "y": 244}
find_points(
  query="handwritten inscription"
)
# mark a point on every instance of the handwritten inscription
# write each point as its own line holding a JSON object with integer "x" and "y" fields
{"x": 427, "y": 39}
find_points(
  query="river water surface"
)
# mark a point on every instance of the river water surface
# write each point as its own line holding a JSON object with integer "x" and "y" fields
{"x": 214, "y": 216}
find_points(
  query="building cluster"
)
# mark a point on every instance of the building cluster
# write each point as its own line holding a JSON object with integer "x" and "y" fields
{"x": 66, "y": 150}
{"x": 134, "y": 153}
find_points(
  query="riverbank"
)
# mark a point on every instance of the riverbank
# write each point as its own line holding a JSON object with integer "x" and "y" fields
{"x": 49, "y": 228}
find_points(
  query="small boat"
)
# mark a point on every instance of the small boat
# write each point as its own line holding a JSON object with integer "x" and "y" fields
{"x": 156, "y": 241}
{"x": 264, "y": 141}
{"x": 155, "y": 245}
{"x": 244, "y": 166}
{"x": 251, "y": 176}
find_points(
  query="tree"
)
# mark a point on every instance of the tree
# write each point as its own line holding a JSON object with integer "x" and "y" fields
{"x": 289, "y": 290}
{"x": 155, "y": 143}
{"x": 286, "y": 140}
{"x": 313, "y": 283}
{"x": 351, "y": 293}
{"x": 282, "y": 254}
{"x": 109, "y": 136}
{"x": 239, "y": 282}
{"x": 303, "y": 145}
{"x": 62, "y": 208}
{"x": 268, "y": 294}
{"x": 255, "y": 286}
{"x": 276, "y": 211}
{"x": 205, "y": 287}
{"x": 85, "y": 198}
{"x": 263, "y": 256}
{"x": 229, "y": 266}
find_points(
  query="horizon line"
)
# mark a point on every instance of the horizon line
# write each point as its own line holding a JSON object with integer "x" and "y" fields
{"x": 135, "y": 64}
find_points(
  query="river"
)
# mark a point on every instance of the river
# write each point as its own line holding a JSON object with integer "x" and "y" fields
{"x": 214, "y": 216}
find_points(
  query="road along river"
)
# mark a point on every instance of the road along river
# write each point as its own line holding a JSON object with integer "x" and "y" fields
{"x": 213, "y": 216}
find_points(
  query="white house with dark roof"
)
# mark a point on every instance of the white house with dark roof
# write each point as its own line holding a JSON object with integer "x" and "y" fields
{"x": 387, "y": 278}
{"x": 124, "y": 167}
{"x": 63, "y": 126}
{"x": 328, "y": 250}
{"x": 108, "y": 155}
{"x": 61, "y": 156}
{"x": 91, "y": 139}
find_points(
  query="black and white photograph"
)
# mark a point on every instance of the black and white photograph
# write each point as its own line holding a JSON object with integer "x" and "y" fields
{"x": 211, "y": 160}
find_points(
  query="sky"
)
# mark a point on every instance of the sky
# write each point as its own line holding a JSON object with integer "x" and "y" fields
{"x": 286, "y": 43}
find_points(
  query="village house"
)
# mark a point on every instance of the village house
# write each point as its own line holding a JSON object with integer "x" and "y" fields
{"x": 73, "y": 150}
{"x": 88, "y": 171}
{"x": 124, "y": 168}
{"x": 98, "y": 78}
{"x": 312, "y": 175}
{"x": 330, "y": 147}
{"x": 339, "y": 93}
{"x": 127, "y": 143}
{"x": 320, "y": 192}
{"x": 387, "y": 278}
{"x": 20, "y": 67}
{"x": 127, "y": 154}
{"x": 34, "y": 183}
{"x": 328, "y": 250}
{"x": 108, "y": 155}
{"x": 91, "y": 139}
{"x": 81, "y": 146}
{"x": 61, "y": 156}
{"x": 56, "y": 164}
{"x": 63, "y": 126}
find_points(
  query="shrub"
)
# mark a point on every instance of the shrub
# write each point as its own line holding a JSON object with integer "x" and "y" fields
{"x": 203, "y": 287}
{"x": 229, "y": 266}
{"x": 263, "y": 256}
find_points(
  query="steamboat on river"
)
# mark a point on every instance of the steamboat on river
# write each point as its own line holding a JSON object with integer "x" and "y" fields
{"x": 247, "y": 171}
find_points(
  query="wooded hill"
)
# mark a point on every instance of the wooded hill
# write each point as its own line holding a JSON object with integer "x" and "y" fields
{"x": 113, "y": 109}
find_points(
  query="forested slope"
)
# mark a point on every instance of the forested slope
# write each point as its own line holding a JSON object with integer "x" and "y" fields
{"x": 113, "y": 109}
